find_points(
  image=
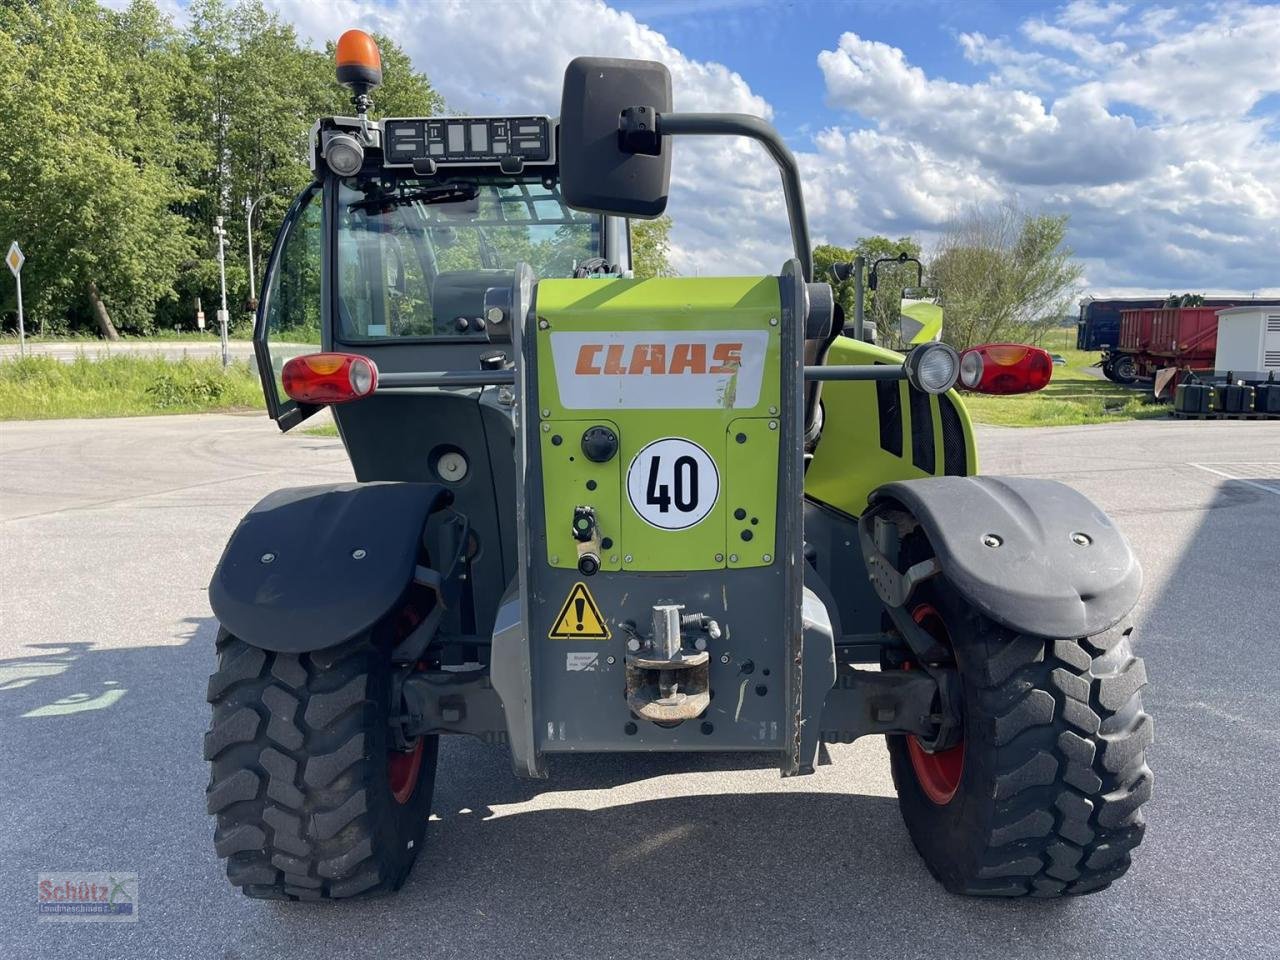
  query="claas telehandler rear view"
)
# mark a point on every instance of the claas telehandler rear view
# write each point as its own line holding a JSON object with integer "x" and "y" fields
{"x": 601, "y": 514}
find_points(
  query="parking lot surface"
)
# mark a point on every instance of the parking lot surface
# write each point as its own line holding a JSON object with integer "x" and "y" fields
{"x": 109, "y": 531}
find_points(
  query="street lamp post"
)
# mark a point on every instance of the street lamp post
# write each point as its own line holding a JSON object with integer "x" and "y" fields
{"x": 248, "y": 226}
{"x": 223, "y": 316}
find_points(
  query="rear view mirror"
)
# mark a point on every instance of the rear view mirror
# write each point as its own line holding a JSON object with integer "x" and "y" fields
{"x": 596, "y": 174}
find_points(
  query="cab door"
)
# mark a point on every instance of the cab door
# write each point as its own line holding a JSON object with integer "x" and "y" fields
{"x": 290, "y": 314}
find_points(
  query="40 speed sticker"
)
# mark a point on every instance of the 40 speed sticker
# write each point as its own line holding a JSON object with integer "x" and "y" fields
{"x": 673, "y": 483}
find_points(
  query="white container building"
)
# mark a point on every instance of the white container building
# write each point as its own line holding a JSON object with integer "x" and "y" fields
{"x": 1248, "y": 342}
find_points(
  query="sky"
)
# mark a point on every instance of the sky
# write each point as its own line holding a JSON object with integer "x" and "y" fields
{"x": 1155, "y": 126}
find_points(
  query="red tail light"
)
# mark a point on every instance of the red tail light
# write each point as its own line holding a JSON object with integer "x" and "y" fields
{"x": 1003, "y": 368}
{"x": 323, "y": 378}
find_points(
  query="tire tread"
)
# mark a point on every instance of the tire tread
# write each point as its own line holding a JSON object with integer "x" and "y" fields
{"x": 1087, "y": 782}
{"x": 290, "y": 771}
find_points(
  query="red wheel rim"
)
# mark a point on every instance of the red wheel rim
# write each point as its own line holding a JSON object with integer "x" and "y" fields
{"x": 937, "y": 773}
{"x": 403, "y": 769}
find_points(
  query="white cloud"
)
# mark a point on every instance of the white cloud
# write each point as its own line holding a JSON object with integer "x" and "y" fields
{"x": 1185, "y": 195}
{"x": 895, "y": 183}
{"x": 1083, "y": 45}
{"x": 1188, "y": 198}
{"x": 1087, "y": 13}
{"x": 1020, "y": 68}
{"x": 1218, "y": 69}
{"x": 1011, "y": 132}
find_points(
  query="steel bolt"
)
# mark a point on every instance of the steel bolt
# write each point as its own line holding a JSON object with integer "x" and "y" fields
{"x": 268, "y": 557}
{"x": 773, "y": 321}
{"x": 773, "y": 424}
{"x": 724, "y": 658}
{"x": 627, "y": 558}
{"x": 767, "y": 558}
{"x": 546, "y": 428}
{"x": 733, "y": 558}
{"x": 633, "y": 644}
{"x": 358, "y": 554}
{"x": 546, "y": 413}
{"x": 719, "y": 558}
{"x": 614, "y": 558}
{"x": 543, "y": 325}
{"x": 700, "y": 643}
{"x": 773, "y": 411}
{"x": 1081, "y": 539}
{"x": 610, "y": 660}
{"x": 555, "y": 558}
{"x": 991, "y": 540}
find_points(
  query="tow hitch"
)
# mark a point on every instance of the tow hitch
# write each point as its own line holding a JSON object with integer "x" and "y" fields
{"x": 665, "y": 682}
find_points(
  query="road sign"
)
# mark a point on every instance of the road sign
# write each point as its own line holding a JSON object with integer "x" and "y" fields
{"x": 15, "y": 258}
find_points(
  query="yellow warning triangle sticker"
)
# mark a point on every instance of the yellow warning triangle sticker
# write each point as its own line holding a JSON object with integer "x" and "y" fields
{"x": 579, "y": 618}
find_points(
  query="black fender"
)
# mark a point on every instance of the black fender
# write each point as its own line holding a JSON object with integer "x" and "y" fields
{"x": 310, "y": 567}
{"x": 1033, "y": 555}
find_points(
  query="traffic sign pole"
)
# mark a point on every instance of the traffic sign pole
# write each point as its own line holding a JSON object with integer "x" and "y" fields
{"x": 15, "y": 259}
{"x": 22, "y": 331}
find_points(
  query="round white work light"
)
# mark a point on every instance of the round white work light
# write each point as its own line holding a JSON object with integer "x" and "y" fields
{"x": 971, "y": 368}
{"x": 933, "y": 367}
{"x": 362, "y": 377}
{"x": 344, "y": 154}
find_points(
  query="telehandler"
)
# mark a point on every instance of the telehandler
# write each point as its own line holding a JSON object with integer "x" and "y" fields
{"x": 595, "y": 513}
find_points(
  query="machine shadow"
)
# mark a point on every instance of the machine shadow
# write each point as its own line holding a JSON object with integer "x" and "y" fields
{"x": 79, "y": 677}
{"x": 733, "y": 875}
{"x": 727, "y": 872}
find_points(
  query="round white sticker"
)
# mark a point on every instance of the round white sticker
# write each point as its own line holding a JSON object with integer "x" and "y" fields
{"x": 673, "y": 483}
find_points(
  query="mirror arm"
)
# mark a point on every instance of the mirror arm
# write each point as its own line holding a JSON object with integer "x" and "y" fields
{"x": 900, "y": 258}
{"x": 740, "y": 125}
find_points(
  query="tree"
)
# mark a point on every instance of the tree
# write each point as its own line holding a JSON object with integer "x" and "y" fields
{"x": 881, "y": 305}
{"x": 134, "y": 136}
{"x": 88, "y": 183}
{"x": 1002, "y": 274}
{"x": 651, "y": 248}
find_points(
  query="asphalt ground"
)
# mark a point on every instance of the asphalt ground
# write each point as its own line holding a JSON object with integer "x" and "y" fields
{"x": 110, "y": 530}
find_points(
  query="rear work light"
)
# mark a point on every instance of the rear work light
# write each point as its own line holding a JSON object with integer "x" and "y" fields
{"x": 324, "y": 378}
{"x": 1004, "y": 368}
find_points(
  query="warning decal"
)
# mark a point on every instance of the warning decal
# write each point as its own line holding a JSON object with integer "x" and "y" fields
{"x": 579, "y": 618}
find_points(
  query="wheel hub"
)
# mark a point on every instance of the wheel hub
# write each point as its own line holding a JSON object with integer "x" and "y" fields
{"x": 403, "y": 769}
{"x": 938, "y": 772}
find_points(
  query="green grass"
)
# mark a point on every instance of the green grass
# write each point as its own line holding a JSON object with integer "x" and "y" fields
{"x": 1072, "y": 398}
{"x": 36, "y": 388}
{"x": 41, "y": 388}
{"x": 208, "y": 335}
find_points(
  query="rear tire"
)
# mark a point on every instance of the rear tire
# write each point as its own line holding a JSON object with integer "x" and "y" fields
{"x": 311, "y": 800}
{"x": 1124, "y": 369}
{"x": 1048, "y": 800}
